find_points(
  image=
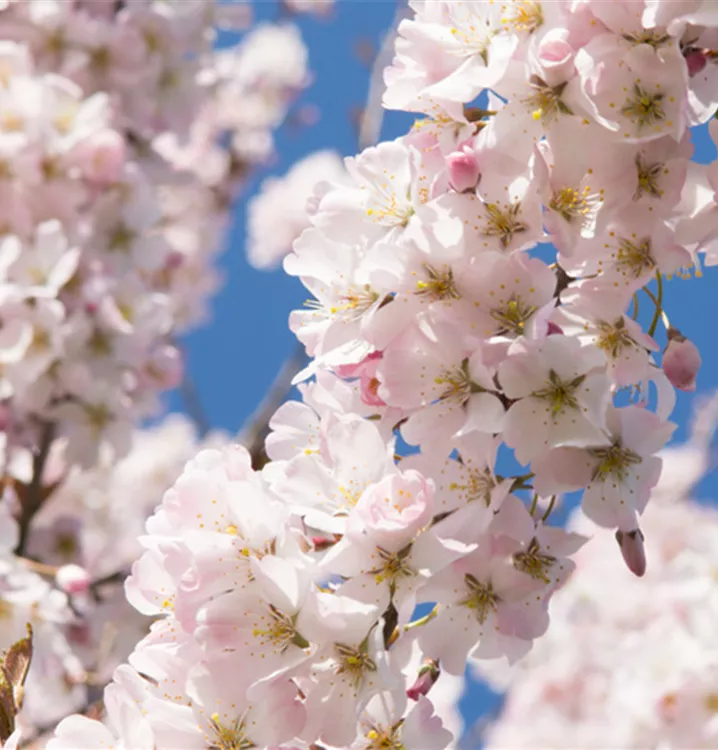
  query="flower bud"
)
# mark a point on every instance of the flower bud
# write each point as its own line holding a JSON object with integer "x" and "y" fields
{"x": 696, "y": 60}
{"x": 681, "y": 361}
{"x": 72, "y": 579}
{"x": 463, "y": 169}
{"x": 632, "y": 550}
{"x": 427, "y": 677}
{"x": 555, "y": 56}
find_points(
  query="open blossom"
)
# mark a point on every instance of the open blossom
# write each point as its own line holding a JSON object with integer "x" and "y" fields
{"x": 613, "y": 636}
{"x": 271, "y": 239}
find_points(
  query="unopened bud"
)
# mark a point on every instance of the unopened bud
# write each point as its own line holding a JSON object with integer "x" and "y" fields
{"x": 463, "y": 169}
{"x": 322, "y": 543}
{"x": 681, "y": 361}
{"x": 427, "y": 677}
{"x": 632, "y": 550}
{"x": 72, "y": 579}
{"x": 696, "y": 60}
{"x": 556, "y": 55}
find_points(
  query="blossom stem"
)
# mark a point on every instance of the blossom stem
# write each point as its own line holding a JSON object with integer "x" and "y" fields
{"x": 664, "y": 317}
{"x": 551, "y": 503}
{"x": 422, "y": 620}
{"x": 519, "y": 482}
{"x": 635, "y": 307}
{"x": 658, "y": 302}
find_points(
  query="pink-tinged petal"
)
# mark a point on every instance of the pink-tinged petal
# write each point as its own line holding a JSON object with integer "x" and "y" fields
{"x": 484, "y": 413}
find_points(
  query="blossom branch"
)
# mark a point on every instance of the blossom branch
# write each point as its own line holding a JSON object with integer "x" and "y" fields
{"x": 256, "y": 430}
{"x": 372, "y": 116}
{"x": 33, "y": 498}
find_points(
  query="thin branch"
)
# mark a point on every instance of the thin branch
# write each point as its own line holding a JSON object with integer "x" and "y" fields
{"x": 193, "y": 405}
{"x": 256, "y": 428}
{"x": 34, "y": 497}
{"x": 373, "y": 116}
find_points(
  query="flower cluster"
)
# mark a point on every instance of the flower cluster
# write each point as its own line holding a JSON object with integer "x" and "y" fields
{"x": 628, "y": 663}
{"x": 69, "y": 583}
{"x": 286, "y": 596}
{"x": 123, "y": 139}
{"x": 320, "y": 601}
{"x": 278, "y": 214}
{"x": 562, "y": 123}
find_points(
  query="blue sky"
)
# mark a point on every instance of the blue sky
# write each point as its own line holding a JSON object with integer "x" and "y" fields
{"x": 234, "y": 358}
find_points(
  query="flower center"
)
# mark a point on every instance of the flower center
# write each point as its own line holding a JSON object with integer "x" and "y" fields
{"x": 350, "y": 495}
{"x": 479, "y": 486}
{"x": 647, "y": 36}
{"x": 533, "y": 562}
{"x": 354, "y": 662}
{"x": 560, "y": 394}
{"x": 355, "y": 302}
{"x": 545, "y": 101}
{"x": 634, "y": 259}
{"x": 526, "y": 16}
{"x": 385, "y": 208}
{"x": 469, "y": 31}
{"x": 393, "y": 566}
{"x": 647, "y": 175}
{"x": 613, "y": 338}
{"x": 613, "y": 462}
{"x": 458, "y": 385}
{"x": 381, "y": 738}
{"x": 438, "y": 285}
{"x": 512, "y": 318}
{"x": 98, "y": 415}
{"x": 571, "y": 203}
{"x": 503, "y": 223}
{"x": 230, "y": 737}
{"x": 280, "y": 631}
{"x": 121, "y": 238}
{"x": 481, "y": 598}
{"x": 643, "y": 108}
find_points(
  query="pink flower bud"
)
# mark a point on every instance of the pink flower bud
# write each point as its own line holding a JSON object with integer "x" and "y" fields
{"x": 463, "y": 169}
{"x": 101, "y": 156}
{"x": 553, "y": 329}
{"x": 633, "y": 551}
{"x": 358, "y": 369}
{"x": 556, "y": 55}
{"x": 321, "y": 543}
{"x": 681, "y": 361}
{"x": 72, "y": 579}
{"x": 696, "y": 60}
{"x": 427, "y": 677}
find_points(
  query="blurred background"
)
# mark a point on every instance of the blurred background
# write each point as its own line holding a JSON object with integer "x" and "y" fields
{"x": 233, "y": 359}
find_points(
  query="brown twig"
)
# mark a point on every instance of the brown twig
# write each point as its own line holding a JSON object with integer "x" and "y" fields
{"x": 256, "y": 428}
{"x": 193, "y": 405}
{"x": 34, "y": 497}
{"x": 373, "y": 115}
